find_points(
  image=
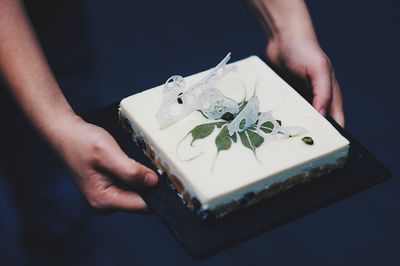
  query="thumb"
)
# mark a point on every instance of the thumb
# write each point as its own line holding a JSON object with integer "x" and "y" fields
{"x": 137, "y": 174}
{"x": 120, "y": 166}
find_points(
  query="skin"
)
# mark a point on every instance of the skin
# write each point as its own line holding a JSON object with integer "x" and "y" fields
{"x": 293, "y": 47}
{"x": 91, "y": 154}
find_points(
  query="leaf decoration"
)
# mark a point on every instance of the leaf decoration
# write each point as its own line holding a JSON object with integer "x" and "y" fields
{"x": 204, "y": 130}
{"x": 220, "y": 124}
{"x": 223, "y": 140}
{"x": 267, "y": 127}
{"x": 251, "y": 139}
{"x": 242, "y": 123}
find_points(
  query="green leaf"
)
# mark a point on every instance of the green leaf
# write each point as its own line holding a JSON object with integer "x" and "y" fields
{"x": 251, "y": 139}
{"x": 255, "y": 138}
{"x": 202, "y": 131}
{"x": 223, "y": 140}
{"x": 220, "y": 124}
{"x": 242, "y": 123}
{"x": 267, "y": 127}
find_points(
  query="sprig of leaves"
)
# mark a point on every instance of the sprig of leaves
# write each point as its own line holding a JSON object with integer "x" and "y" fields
{"x": 249, "y": 137}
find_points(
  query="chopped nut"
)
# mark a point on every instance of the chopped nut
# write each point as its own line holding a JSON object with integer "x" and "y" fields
{"x": 308, "y": 140}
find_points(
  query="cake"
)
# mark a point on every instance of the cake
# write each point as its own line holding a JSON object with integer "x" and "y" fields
{"x": 231, "y": 136}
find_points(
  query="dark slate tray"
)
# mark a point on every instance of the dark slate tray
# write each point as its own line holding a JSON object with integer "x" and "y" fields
{"x": 201, "y": 239}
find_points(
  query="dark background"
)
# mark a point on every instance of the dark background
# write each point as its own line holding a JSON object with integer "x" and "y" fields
{"x": 103, "y": 51}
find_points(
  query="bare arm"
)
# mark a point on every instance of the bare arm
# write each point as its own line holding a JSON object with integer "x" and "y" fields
{"x": 26, "y": 72}
{"x": 89, "y": 151}
{"x": 293, "y": 47}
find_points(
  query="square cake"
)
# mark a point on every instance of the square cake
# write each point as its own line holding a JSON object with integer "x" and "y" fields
{"x": 231, "y": 136}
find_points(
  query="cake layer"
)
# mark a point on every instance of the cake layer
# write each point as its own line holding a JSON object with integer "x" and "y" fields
{"x": 224, "y": 181}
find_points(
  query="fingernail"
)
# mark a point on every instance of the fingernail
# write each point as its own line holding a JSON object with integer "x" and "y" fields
{"x": 322, "y": 111}
{"x": 150, "y": 179}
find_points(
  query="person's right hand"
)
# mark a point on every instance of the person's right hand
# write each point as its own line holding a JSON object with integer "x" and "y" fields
{"x": 96, "y": 161}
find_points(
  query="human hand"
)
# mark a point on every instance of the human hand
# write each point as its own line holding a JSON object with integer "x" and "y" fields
{"x": 92, "y": 155}
{"x": 96, "y": 162}
{"x": 303, "y": 58}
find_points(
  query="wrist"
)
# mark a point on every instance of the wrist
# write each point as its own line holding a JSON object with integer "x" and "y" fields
{"x": 59, "y": 126}
{"x": 288, "y": 41}
{"x": 293, "y": 34}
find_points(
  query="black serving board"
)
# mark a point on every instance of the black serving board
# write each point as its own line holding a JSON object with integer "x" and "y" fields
{"x": 202, "y": 239}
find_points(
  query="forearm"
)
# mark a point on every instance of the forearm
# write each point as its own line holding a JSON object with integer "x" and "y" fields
{"x": 26, "y": 73}
{"x": 294, "y": 49}
{"x": 93, "y": 156}
{"x": 284, "y": 18}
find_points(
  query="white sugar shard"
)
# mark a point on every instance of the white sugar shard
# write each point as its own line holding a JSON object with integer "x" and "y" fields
{"x": 213, "y": 104}
{"x": 173, "y": 87}
{"x": 215, "y": 75}
{"x": 276, "y": 128}
{"x": 264, "y": 118}
{"x": 178, "y": 102}
{"x": 249, "y": 115}
{"x": 292, "y": 131}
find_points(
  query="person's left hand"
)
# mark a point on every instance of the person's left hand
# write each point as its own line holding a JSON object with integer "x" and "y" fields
{"x": 304, "y": 58}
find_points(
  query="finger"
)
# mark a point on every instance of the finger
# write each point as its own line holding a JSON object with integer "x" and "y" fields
{"x": 137, "y": 174}
{"x": 115, "y": 198}
{"x": 321, "y": 84}
{"x": 336, "y": 109}
{"x": 120, "y": 166}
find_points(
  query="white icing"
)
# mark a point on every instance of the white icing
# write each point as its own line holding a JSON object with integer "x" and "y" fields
{"x": 236, "y": 172}
{"x": 160, "y": 171}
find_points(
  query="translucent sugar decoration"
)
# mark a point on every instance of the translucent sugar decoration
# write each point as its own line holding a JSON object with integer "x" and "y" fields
{"x": 174, "y": 85}
{"x": 172, "y": 111}
{"x": 292, "y": 131}
{"x": 215, "y": 75}
{"x": 267, "y": 117}
{"x": 289, "y": 131}
{"x": 213, "y": 104}
{"x": 249, "y": 114}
